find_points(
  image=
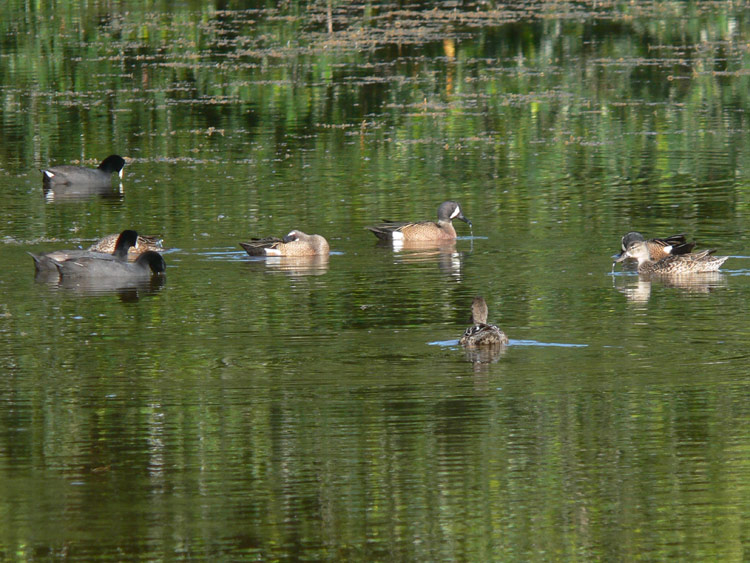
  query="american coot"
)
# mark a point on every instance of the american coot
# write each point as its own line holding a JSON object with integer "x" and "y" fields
{"x": 108, "y": 245}
{"x": 423, "y": 230}
{"x": 658, "y": 247}
{"x": 296, "y": 243}
{"x": 48, "y": 261}
{"x": 481, "y": 333}
{"x": 680, "y": 264}
{"x": 66, "y": 175}
{"x": 94, "y": 268}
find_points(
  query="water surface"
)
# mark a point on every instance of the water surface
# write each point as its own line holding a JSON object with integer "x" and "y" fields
{"x": 259, "y": 409}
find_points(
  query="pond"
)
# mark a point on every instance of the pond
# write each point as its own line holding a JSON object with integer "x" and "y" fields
{"x": 248, "y": 408}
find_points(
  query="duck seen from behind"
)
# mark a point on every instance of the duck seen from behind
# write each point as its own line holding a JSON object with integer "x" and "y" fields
{"x": 691, "y": 263}
{"x": 423, "y": 230}
{"x": 658, "y": 247}
{"x": 68, "y": 174}
{"x": 296, "y": 243}
{"x": 48, "y": 261}
{"x": 481, "y": 333}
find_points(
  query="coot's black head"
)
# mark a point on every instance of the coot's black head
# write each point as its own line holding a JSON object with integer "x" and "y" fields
{"x": 126, "y": 239}
{"x": 153, "y": 260}
{"x": 113, "y": 163}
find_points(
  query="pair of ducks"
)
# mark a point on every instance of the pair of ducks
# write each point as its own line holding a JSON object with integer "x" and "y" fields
{"x": 670, "y": 255}
{"x": 297, "y": 243}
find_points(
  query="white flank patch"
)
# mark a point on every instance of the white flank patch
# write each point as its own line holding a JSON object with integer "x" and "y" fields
{"x": 273, "y": 252}
{"x": 668, "y": 249}
{"x": 120, "y": 173}
{"x": 397, "y": 235}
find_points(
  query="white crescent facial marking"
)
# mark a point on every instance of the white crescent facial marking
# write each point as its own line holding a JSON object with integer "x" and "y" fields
{"x": 48, "y": 174}
{"x": 456, "y": 213}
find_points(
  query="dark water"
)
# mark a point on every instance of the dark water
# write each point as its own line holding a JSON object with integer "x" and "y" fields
{"x": 252, "y": 409}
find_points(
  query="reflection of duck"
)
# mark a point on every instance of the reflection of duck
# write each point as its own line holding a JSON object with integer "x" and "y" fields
{"x": 128, "y": 289}
{"x": 67, "y": 175}
{"x": 423, "y": 230}
{"x": 704, "y": 282}
{"x": 80, "y": 192}
{"x": 296, "y": 243}
{"x": 482, "y": 334}
{"x": 637, "y": 289}
{"x": 677, "y": 264}
{"x": 658, "y": 247}
{"x": 481, "y": 355}
{"x": 299, "y": 265}
{"x": 443, "y": 252}
{"x": 48, "y": 262}
{"x": 108, "y": 244}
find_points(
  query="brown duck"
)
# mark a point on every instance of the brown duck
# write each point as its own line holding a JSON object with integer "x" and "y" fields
{"x": 423, "y": 230}
{"x": 658, "y": 248}
{"x": 481, "y": 333}
{"x": 296, "y": 243}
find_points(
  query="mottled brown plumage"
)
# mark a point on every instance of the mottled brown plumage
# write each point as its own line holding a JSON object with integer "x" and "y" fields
{"x": 658, "y": 247}
{"x": 143, "y": 244}
{"x": 680, "y": 264}
{"x": 481, "y": 333}
{"x": 423, "y": 230}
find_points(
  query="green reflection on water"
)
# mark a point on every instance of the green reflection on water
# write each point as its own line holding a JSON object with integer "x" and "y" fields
{"x": 247, "y": 409}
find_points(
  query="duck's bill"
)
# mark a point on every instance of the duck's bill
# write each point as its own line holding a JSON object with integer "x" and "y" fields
{"x": 619, "y": 257}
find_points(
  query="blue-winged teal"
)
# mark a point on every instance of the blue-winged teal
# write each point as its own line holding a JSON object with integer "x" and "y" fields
{"x": 108, "y": 244}
{"x": 679, "y": 264}
{"x": 48, "y": 261}
{"x": 423, "y": 230}
{"x": 94, "y": 268}
{"x": 296, "y": 243}
{"x": 68, "y": 174}
{"x": 658, "y": 247}
{"x": 481, "y": 333}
